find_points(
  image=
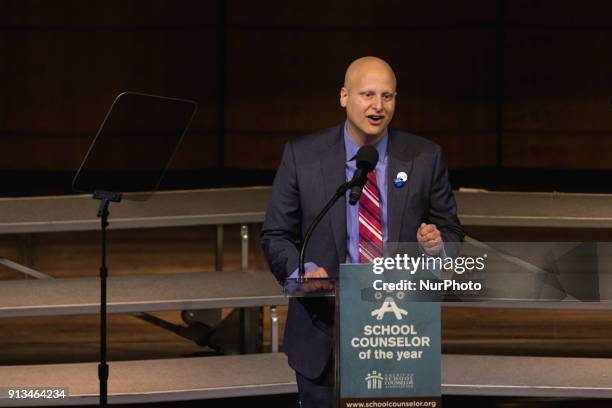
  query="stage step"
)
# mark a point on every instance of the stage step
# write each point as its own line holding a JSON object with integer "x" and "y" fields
{"x": 179, "y": 291}
{"x": 248, "y": 205}
{"x": 266, "y": 374}
{"x": 521, "y": 376}
{"x": 156, "y": 380}
{"x": 140, "y": 293}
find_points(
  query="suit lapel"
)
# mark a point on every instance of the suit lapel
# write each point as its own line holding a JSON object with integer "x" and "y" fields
{"x": 398, "y": 159}
{"x": 333, "y": 174}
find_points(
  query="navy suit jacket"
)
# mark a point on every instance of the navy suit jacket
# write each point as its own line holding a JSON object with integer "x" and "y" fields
{"x": 311, "y": 170}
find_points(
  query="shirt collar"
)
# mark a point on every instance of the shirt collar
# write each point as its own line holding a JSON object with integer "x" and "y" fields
{"x": 351, "y": 147}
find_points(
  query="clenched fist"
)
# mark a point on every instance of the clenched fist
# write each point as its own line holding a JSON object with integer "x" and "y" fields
{"x": 430, "y": 239}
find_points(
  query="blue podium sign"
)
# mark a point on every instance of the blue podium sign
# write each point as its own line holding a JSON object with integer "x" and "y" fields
{"x": 389, "y": 343}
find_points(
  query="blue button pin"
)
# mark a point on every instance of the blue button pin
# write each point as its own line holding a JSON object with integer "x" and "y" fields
{"x": 400, "y": 179}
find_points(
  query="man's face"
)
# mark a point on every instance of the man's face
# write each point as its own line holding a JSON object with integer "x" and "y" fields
{"x": 369, "y": 99}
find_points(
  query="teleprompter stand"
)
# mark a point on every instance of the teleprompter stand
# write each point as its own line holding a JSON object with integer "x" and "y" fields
{"x": 105, "y": 198}
{"x": 129, "y": 154}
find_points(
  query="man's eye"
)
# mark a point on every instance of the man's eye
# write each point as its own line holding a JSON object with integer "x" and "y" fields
{"x": 388, "y": 97}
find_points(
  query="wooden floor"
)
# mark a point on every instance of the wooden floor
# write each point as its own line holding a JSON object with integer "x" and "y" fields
{"x": 75, "y": 338}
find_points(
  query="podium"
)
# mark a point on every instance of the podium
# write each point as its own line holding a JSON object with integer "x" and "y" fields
{"x": 387, "y": 345}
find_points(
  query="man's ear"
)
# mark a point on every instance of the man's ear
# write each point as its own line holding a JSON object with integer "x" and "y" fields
{"x": 343, "y": 96}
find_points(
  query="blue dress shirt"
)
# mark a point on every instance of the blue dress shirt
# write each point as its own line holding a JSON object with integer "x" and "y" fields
{"x": 352, "y": 211}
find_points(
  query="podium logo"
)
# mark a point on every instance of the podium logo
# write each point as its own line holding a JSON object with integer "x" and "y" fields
{"x": 389, "y": 306}
{"x": 399, "y": 380}
{"x": 374, "y": 380}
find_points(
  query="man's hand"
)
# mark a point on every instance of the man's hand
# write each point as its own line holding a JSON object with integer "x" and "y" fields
{"x": 315, "y": 286}
{"x": 430, "y": 239}
{"x": 316, "y": 273}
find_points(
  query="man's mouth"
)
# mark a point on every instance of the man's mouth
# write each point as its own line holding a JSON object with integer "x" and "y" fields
{"x": 375, "y": 119}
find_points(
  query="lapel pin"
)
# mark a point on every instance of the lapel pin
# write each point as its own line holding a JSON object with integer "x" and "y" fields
{"x": 400, "y": 179}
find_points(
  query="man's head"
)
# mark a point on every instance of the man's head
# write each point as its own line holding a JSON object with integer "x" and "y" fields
{"x": 368, "y": 95}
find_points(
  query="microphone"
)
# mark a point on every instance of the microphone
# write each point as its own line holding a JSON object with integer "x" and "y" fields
{"x": 367, "y": 157}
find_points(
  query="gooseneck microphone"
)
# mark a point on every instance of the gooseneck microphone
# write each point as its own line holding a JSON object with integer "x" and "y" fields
{"x": 367, "y": 157}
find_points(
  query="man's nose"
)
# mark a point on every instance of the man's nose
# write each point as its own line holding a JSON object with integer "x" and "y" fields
{"x": 378, "y": 103}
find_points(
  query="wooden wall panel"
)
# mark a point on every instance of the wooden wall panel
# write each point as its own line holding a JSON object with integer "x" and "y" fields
{"x": 65, "y": 153}
{"x": 198, "y": 150}
{"x": 263, "y": 152}
{"x": 64, "y": 81}
{"x": 446, "y": 86}
{"x": 63, "y": 64}
{"x": 556, "y": 150}
{"x": 107, "y": 13}
{"x": 557, "y": 108}
{"x": 558, "y": 80}
{"x": 466, "y": 150}
{"x": 64, "y": 61}
{"x": 285, "y": 64}
{"x": 360, "y": 13}
{"x": 258, "y": 151}
{"x": 44, "y": 152}
{"x": 552, "y": 13}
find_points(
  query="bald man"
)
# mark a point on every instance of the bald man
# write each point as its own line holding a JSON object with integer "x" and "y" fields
{"x": 407, "y": 198}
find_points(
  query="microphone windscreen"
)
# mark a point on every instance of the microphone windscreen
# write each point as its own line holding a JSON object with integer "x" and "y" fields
{"x": 367, "y": 157}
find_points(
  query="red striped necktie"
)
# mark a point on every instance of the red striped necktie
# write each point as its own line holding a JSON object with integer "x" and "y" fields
{"x": 370, "y": 226}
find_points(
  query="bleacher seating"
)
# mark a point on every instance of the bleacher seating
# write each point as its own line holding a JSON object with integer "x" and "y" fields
{"x": 266, "y": 373}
